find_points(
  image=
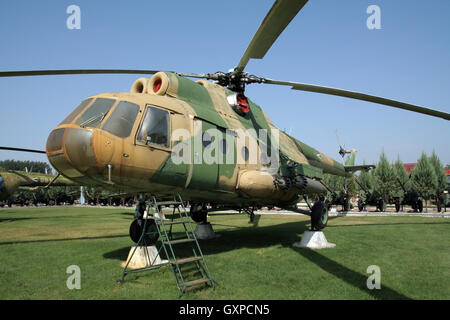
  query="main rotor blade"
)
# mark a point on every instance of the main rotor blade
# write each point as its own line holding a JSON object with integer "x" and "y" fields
{"x": 360, "y": 96}
{"x": 279, "y": 16}
{"x": 76, "y": 71}
{"x": 20, "y": 149}
{"x": 195, "y": 75}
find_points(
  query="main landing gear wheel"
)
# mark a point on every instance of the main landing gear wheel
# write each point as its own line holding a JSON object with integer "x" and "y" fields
{"x": 319, "y": 216}
{"x": 151, "y": 232}
{"x": 198, "y": 212}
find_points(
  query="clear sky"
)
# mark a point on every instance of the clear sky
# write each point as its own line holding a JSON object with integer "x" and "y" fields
{"x": 327, "y": 43}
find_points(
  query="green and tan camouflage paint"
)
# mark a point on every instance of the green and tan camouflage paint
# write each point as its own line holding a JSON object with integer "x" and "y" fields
{"x": 194, "y": 106}
{"x": 12, "y": 180}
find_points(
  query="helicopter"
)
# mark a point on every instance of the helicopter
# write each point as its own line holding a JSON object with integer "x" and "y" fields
{"x": 12, "y": 180}
{"x": 203, "y": 139}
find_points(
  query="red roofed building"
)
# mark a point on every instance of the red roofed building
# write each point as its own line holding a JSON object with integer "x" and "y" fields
{"x": 409, "y": 166}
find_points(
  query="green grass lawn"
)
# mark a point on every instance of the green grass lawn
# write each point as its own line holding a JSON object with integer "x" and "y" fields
{"x": 248, "y": 261}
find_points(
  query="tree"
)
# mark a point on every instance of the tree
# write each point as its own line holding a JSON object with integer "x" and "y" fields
{"x": 423, "y": 179}
{"x": 35, "y": 166}
{"x": 401, "y": 176}
{"x": 98, "y": 195}
{"x": 351, "y": 186}
{"x": 440, "y": 174}
{"x": 335, "y": 183}
{"x": 365, "y": 180}
{"x": 384, "y": 178}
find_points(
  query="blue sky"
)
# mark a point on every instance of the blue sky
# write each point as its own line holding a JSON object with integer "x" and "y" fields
{"x": 326, "y": 44}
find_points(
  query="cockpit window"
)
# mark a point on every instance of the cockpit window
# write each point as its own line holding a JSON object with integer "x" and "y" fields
{"x": 155, "y": 127}
{"x": 77, "y": 111}
{"x": 122, "y": 119}
{"x": 95, "y": 113}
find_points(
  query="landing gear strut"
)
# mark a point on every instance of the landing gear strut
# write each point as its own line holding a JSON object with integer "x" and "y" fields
{"x": 251, "y": 213}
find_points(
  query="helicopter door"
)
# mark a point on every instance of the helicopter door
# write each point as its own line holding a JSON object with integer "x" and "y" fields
{"x": 153, "y": 148}
{"x": 205, "y": 167}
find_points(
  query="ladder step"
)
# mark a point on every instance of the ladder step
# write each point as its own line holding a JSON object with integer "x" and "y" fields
{"x": 179, "y": 241}
{"x": 186, "y": 260}
{"x": 196, "y": 282}
{"x": 170, "y": 222}
{"x": 166, "y": 203}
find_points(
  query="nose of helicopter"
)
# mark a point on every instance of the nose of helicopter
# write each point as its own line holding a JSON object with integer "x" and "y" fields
{"x": 71, "y": 152}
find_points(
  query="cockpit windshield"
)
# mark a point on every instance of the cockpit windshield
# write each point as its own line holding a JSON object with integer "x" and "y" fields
{"x": 122, "y": 119}
{"x": 94, "y": 115}
{"x": 119, "y": 123}
{"x": 76, "y": 112}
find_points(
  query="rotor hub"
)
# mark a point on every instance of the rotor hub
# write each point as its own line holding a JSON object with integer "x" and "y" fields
{"x": 234, "y": 80}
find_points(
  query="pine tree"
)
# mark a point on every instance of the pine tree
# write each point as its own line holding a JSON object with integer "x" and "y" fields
{"x": 440, "y": 174}
{"x": 384, "y": 178}
{"x": 335, "y": 183}
{"x": 402, "y": 182}
{"x": 351, "y": 187}
{"x": 423, "y": 179}
{"x": 365, "y": 181}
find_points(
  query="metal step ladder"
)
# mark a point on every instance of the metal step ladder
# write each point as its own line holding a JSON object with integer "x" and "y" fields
{"x": 185, "y": 276}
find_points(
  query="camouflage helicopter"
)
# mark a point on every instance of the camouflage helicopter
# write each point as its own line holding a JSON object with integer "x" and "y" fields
{"x": 12, "y": 180}
{"x": 200, "y": 139}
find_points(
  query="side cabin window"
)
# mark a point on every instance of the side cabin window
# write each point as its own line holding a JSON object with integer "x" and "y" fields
{"x": 155, "y": 128}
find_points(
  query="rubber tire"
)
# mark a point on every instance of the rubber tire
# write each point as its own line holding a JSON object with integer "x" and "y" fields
{"x": 381, "y": 205}
{"x": 360, "y": 205}
{"x": 198, "y": 216}
{"x": 419, "y": 206}
{"x": 319, "y": 216}
{"x": 346, "y": 205}
{"x": 397, "y": 205}
{"x": 151, "y": 235}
